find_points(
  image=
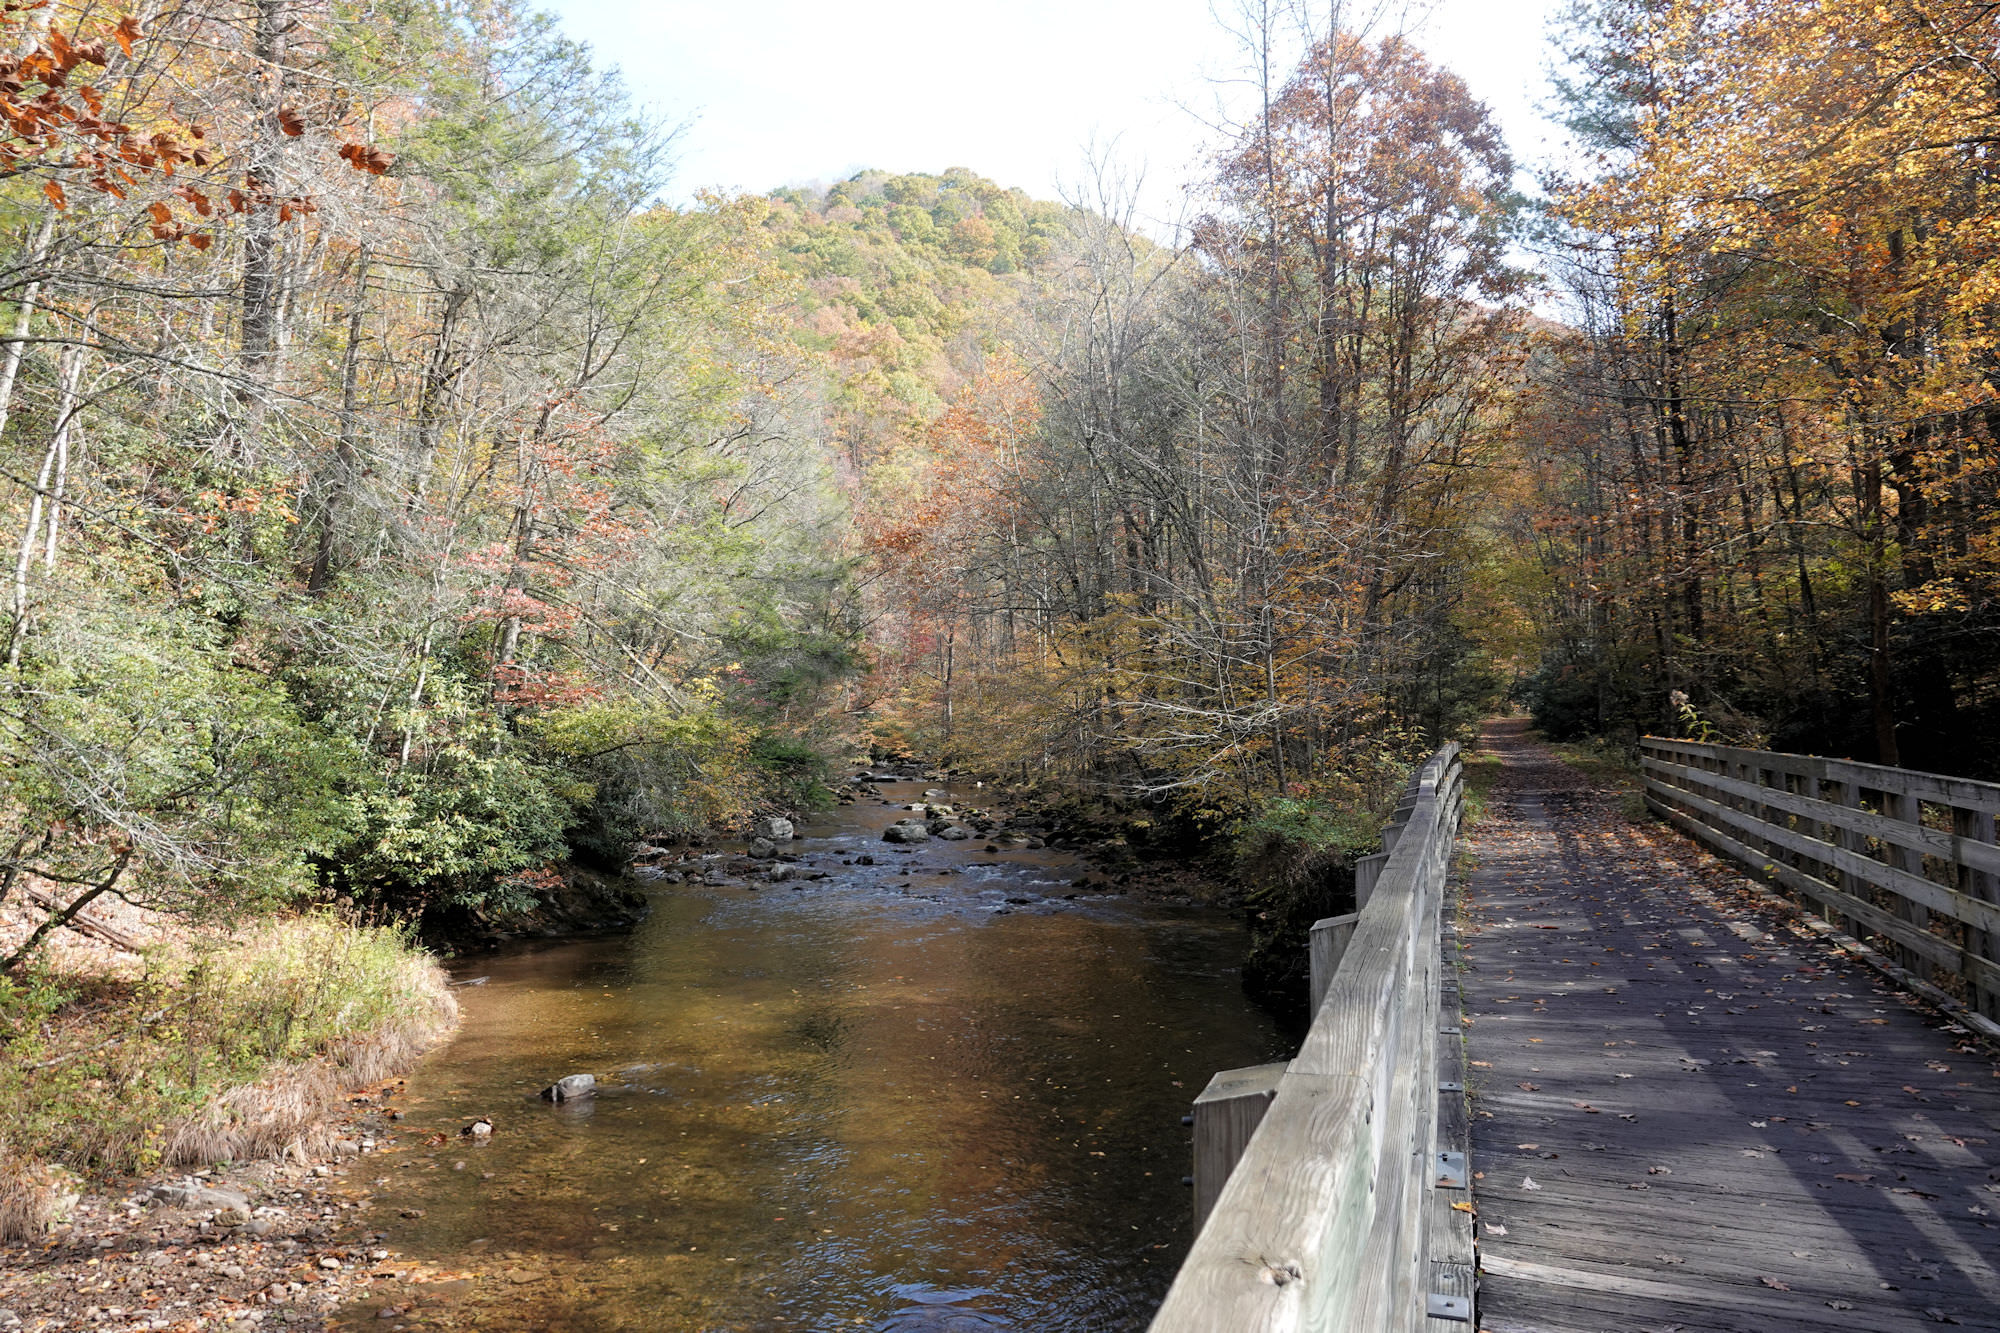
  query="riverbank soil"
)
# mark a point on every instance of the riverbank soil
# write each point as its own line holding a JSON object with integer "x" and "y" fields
{"x": 1689, "y": 1111}
{"x": 262, "y": 1246}
{"x": 201, "y": 1050}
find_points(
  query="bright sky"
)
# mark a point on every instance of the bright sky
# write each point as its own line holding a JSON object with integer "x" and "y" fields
{"x": 778, "y": 92}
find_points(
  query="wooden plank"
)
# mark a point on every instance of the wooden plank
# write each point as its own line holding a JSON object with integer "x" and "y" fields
{"x": 1598, "y": 1300}
{"x": 1933, "y": 787}
{"x": 1367, "y": 873}
{"x": 1908, "y": 812}
{"x": 1738, "y": 1298}
{"x": 1449, "y": 1240}
{"x": 1962, "y": 850}
{"x": 1848, "y": 797}
{"x": 1878, "y": 920}
{"x": 1305, "y": 1182}
{"x": 1915, "y": 888}
{"x": 1987, "y": 1027}
{"x": 1825, "y": 1156}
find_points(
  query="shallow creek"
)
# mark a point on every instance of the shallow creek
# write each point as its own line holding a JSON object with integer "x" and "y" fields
{"x": 891, "y": 1099}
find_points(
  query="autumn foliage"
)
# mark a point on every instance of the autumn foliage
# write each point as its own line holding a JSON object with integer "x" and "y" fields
{"x": 1770, "y": 451}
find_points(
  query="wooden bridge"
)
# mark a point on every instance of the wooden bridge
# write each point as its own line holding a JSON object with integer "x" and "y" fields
{"x": 1688, "y": 1097}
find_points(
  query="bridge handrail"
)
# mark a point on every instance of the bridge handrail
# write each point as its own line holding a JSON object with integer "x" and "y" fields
{"x": 1323, "y": 1224}
{"x": 1905, "y": 857}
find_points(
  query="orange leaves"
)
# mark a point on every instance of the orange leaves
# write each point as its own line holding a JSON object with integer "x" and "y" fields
{"x": 65, "y": 55}
{"x": 69, "y": 131}
{"x": 553, "y": 687}
{"x": 362, "y": 157}
{"x": 960, "y": 493}
{"x": 47, "y": 120}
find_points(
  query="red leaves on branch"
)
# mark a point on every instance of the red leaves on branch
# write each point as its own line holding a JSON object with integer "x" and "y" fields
{"x": 539, "y": 687}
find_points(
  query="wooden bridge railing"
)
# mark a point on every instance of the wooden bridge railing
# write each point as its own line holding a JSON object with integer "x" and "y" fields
{"x": 1906, "y": 858}
{"x": 1338, "y": 1215}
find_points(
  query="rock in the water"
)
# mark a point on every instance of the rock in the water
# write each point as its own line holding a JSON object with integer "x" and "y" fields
{"x": 763, "y": 848}
{"x": 714, "y": 876}
{"x": 774, "y": 827}
{"x": 782, "y": 872}
{"x": 906, "y": 830}
{"x": 952, "y": 832}
{"x": 569, "y": 1087}
{"x": 864, "y": 860}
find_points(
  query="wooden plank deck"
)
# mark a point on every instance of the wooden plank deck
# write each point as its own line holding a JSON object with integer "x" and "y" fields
{"x": 1689, "y": 1115}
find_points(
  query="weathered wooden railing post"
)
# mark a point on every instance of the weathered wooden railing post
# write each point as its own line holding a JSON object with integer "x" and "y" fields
{"x": 1367, "y": 871}
{"x": 1329, "y": 943}
{"x": 1977, "y": 826}
{"x": 1226, "y": 1114}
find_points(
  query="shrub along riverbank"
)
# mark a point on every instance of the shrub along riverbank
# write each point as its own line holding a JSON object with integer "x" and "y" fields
{"x": 199, "y": 1051}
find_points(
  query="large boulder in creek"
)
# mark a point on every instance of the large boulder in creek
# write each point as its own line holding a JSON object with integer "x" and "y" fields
{"x": 906, "y": 830}
{"x": 776, "y": 828}
{"x": 569, "y": 1087}
{"x": 951, "y": 832}
{"x": 763, "y": 848}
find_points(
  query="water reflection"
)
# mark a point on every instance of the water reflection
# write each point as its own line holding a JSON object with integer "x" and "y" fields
{"x": 930, "y": 1094}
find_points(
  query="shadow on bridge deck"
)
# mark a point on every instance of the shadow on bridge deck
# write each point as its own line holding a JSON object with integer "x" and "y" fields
{"x": 1688, "y": 1115}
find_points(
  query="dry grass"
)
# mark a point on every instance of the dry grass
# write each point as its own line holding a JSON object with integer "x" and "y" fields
{"x": 237, "y": 1051}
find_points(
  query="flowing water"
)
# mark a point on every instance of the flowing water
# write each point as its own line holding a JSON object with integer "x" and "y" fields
{"x": 930, "y": 1094}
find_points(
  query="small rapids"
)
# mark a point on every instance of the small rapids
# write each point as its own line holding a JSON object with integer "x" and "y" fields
{"x": 937, "y": 1094}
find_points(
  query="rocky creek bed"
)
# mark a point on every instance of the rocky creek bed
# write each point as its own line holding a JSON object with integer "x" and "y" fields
{"x": 844, "y": 1082}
